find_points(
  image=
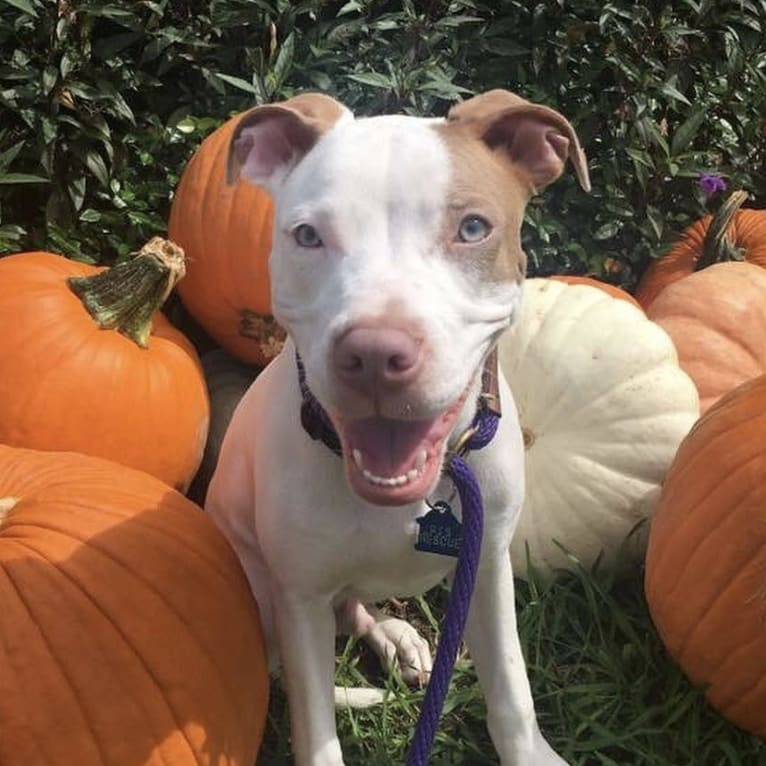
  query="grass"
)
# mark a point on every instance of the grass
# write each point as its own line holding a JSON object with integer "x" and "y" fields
{"x": 605, "y": 690}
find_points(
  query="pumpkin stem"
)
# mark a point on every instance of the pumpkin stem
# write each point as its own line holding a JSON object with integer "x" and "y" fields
{"x": 718, "y": 247}
{"x": 6, "y": 503}
{"x": 125, "y": 297}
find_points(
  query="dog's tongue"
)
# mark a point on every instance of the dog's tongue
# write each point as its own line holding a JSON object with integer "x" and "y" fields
{"x": 389, "y": 447}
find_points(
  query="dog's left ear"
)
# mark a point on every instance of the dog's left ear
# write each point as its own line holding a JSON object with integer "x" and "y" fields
{"x": 536, "y": 137}
{"x": 270, "y": 140}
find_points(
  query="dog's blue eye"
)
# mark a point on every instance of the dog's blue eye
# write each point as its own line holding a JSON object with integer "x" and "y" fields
{"x": 307, "y": 236}
{"x": 473, "y": 228}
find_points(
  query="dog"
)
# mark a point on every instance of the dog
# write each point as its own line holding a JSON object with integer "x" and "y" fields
{"x": 396, "y": 265}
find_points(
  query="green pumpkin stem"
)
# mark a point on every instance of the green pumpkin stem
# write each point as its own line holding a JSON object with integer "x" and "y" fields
{"x": 718, "y": 246}
{"x": 125, "y": 297}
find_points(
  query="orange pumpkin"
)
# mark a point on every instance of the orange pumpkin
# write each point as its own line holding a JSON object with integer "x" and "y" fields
{"x": 226, "y": 233}
{"x": 133, "y": 393}
{"x": 613, "y": 290}
{"x": 731, "y": 234}
{"x": 129, "y": 633}
{"x": 717, "y": 320}
{"x": 707, "y": 556}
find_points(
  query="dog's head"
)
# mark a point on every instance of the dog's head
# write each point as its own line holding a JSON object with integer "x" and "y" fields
{"x": 397, "y": 260}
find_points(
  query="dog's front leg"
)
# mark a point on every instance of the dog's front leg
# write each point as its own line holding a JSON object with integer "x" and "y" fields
{"x": 306, "y": 637}
{"x": 493, "y": 642}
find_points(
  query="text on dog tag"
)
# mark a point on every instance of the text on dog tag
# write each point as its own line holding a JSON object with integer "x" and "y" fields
{"x": 439, "y": 531}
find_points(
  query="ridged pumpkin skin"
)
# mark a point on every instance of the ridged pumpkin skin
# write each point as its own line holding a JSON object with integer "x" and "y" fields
{"x": 67, "y": 385}
{"x": 706, "y": 558}
{"x": 129, "y": 633}
{"x": 747, "y": 231}
{"x": 717, "y": 319}
{"x": 613, "y": 290}
{"x": 603, "y": 406}
{"x": 226, "y": 232}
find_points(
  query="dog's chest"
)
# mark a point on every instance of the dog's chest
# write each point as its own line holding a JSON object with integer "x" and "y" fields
{"x": 345, "y": 546}
{"x": 405, "y": 557}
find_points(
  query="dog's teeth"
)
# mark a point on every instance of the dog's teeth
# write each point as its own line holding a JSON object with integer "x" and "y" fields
{"x": 390, "y": 481}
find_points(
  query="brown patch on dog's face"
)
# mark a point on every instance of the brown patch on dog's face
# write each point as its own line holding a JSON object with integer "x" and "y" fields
{"x": 538, "y": 138}
{"x": 485, "y": 183}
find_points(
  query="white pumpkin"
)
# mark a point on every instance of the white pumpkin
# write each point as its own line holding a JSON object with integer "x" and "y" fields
{"x": 603, "y": 405}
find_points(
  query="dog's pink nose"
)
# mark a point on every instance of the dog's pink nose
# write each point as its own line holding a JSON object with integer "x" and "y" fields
{"x": 368, "y": 358}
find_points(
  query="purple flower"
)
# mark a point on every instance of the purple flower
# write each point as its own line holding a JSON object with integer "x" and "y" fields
{"x": 711, "y": 183}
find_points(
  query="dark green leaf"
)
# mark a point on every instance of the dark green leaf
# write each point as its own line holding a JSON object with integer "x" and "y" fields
{"x": 90, "y": 216}
{"x": 320, "y": 80}
{"x": 352, "y": 6}
{"x": 114, "y": 12}
{"x": 284, "y": 60}
{"x": 49, "y": 127}
{"x": 97, "y": 166}
{"x": 237, "y": 82}
{"x": 10, "y": 154}
{"x": 505, "y": 47}
{"x": 22, "y": 5}
{"x": 607, "y": 231}
{"x": 22, "y": 178}
{"x": 655, "y": 218}
{"x": 640, "y": 156}
{"x": 66, "y": 65}
{"x": 671, "y": 91}
{"x": 449, "y": 22}
{"x": 50, "y": 77}
{"x": 76, "y": 189}
{"x": 686, "y": 132}
{"x": 375, "y": 79}
{"x": 187, "y": 125}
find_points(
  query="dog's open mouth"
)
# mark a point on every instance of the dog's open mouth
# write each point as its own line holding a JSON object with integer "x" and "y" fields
{"x": 394, "y": 462}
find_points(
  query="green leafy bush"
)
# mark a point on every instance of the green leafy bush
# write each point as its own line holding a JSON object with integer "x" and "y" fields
{"x": 101, "y": 103}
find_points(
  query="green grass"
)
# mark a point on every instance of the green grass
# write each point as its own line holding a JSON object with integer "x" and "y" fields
{"x": 605, "y": 690}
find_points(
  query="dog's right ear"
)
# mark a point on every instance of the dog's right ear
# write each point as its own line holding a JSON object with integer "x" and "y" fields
{"x": 270, "y": 140}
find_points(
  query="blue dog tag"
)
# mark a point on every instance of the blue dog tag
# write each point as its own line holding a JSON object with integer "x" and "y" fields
{"x": 439, "y": 531}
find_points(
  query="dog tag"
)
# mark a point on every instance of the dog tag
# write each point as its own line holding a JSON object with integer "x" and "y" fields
{"x": 439, "y": 531}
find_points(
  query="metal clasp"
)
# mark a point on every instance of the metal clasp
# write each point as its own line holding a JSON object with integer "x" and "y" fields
{"x": 461, "y": 445}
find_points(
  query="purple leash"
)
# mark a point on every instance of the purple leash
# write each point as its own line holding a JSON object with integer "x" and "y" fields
{"x": 485, "y": 422}
{"x": 318, "y": 426}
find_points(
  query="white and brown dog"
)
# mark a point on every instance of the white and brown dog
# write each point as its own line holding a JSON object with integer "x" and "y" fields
{"x": 395, "y": 267}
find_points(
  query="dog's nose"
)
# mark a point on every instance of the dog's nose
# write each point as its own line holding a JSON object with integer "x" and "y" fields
{"x": 368, "y": 358}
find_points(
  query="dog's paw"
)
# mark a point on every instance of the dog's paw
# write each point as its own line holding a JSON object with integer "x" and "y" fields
{"x": 359, "y": 697}
{"x": 400, "y": 648}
